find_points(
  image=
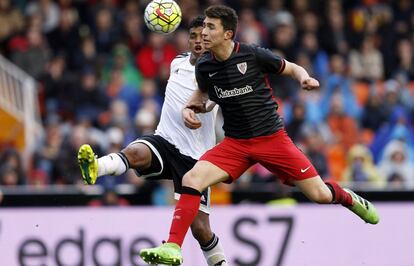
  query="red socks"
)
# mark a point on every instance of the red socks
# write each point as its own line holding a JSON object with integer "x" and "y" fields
{"x": 185, "y": 212}
{"x": 339, "y": 195}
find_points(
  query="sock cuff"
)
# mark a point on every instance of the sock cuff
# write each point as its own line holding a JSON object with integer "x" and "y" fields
{"x": 212, "y": 243}
{"x": 124, "y": 159}
{"x": 190, "y": 191}
{"x": 332, "y": 189}
{"x": 339, "y": 195}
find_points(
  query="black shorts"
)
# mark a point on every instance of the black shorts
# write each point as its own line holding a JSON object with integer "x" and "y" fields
{"x": 171, "y": 165}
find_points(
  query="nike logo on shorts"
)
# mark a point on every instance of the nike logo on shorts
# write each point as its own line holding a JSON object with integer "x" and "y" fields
{"x": 304, "y": 170}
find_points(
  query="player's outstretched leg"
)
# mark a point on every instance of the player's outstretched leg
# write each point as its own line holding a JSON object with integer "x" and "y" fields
{"x": 88, "y": 164}
{"x": 331, "y": 192}
{"x": 363, "y": 208}
{"x": 358, "y": 205}
{"x": 167, "y": 253}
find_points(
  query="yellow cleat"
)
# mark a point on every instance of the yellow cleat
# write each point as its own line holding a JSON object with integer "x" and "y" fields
{"x": 167, "y": 253}
{"x": 88, "y": 164}
{"x": 363, "y": 208}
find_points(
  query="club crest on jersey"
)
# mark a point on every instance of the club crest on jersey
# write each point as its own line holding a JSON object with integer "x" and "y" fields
{"x": 242, "y": 67}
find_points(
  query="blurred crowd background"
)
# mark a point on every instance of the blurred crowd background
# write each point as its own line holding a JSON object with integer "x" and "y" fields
{"x": 101, "y": 78}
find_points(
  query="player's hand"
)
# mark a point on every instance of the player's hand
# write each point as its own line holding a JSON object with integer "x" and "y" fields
{"x": 210, "y": 105}
{"x": 310, "y": 84}
{"x": 190, "y": 119}
{"x": 197, "y": 107}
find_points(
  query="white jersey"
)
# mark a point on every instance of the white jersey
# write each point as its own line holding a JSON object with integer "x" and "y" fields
{"x": 180, "y": 87}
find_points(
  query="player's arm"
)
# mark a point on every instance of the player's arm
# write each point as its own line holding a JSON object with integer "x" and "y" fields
{"x": 210, "y": 105}
{"x": 205, "y": 106}
{"x": 198, "y": 103}
{"x": 300, "y": 74}
{"x": 272, "y": 63}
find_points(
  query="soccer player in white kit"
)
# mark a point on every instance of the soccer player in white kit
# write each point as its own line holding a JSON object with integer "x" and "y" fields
{"x": 173, "y": 150}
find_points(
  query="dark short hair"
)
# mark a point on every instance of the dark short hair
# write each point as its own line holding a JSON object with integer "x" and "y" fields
{"x": 226, "y": 14}
{"x": 197, "y": 22}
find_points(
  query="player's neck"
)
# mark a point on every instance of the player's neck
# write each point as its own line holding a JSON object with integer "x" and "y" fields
{"x": 223, "y": 52}
{"x": 193, "y": 59}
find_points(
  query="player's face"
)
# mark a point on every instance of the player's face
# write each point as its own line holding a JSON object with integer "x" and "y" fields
{"x": 196, "y": 42}
{"x": 214, "y": 33}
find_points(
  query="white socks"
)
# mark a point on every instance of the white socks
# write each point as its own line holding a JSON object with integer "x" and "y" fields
{"x": 214, "y": 253}
{"x": 112, "y": 164}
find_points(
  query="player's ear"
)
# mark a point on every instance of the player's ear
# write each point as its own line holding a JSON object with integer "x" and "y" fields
{"x": 228, "y": 34}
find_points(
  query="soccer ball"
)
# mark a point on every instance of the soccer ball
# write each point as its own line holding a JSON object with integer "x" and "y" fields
{"x": 162, "y": 16}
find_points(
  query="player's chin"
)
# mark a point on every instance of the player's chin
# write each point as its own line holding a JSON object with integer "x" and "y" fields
{"x": 198, "y": 52}
{"x": 198, "y": 49}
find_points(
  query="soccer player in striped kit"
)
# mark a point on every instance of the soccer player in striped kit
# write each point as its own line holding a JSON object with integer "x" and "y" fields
{"x": 234, "y": 75}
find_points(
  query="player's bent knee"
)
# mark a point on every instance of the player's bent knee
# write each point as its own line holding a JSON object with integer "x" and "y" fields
{"x": 191, "y": 179}
{"x": 138, "y": 154}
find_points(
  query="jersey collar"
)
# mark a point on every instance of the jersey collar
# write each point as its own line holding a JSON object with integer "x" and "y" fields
{"x": 236, "y": 49}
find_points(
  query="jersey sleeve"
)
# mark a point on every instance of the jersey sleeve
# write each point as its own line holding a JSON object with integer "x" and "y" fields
{"x": 173, "y": 66}
{"x": 201, "y": 81}
{"x": 268, "y": 61}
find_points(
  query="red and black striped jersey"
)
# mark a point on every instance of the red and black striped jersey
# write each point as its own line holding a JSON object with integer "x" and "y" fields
{"x": 239, "y": 86}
